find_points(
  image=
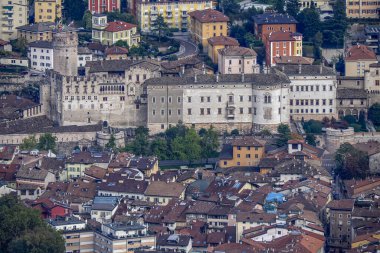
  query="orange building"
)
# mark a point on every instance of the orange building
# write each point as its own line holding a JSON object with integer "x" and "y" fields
{"x": 282, "y": 43}
{"x": 267, "y": 23}
{"x": 240, "y": 152}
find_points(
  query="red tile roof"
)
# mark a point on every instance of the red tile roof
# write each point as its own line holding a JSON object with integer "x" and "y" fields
{"x": 209, "y": 15}
{"x": 116, "y": 50}
{"x": 223, "y": 40}
{"x": 119, "y": 26}
{"x": 360, "y": 52}
{"x": 283, "y": 36}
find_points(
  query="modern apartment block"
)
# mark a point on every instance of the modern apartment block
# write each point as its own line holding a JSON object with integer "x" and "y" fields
{"x": 14, "y": 13}
{"x": 47, "y": 10}
{"x": 100, "y": 6}
{"x": 362, "y": 9}
{"x": 175, "y": 13}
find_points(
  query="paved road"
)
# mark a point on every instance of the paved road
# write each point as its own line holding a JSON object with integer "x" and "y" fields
{"x": 187, "y": 48}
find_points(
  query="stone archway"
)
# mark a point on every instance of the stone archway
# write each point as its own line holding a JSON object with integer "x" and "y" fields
{"x": 355, "y": 113}
{"x": 348, "y": 112}
{"x": 341, "y": 114}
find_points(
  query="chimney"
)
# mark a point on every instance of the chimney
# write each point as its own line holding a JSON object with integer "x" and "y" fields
{"x": 195, "y": 78}
{"x": 320, "y": 68}
{"x": 203, "y": 69}
{"x": 217, "y": 77}
{"x": 283, "y": 68}
{"x": 183, "y": 69}
{"x": 299, "y": 68}
{"x": 242, "y": 77}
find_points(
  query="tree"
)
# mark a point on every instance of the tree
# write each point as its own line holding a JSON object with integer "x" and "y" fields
{"x": 140, "y": 144}
{"x": 351, "y": 162}
{"x": 350, "y": 119}
{"x": 310, "y": 139}
{"x": 47, "y": 142}
{"x": 187, "y": 147}
{"x": 235, "y": 132}
{"x": 22, "y": 230}
{"x": 87, "y": 20}
{"x": 317, "y": 41}
{"x": 20, "y": 45}
{"x": 118, "y": 16}
{"x": 210, "y": 143}
{"x": 284, "y": 134}
{"x": 374, "y": 114}
{"x": 339, "y": 65}
{"x": 172, "y": 57}
{"x": 122, "y": 43}
{"x": 159, "y": 148}
{"x": 279, "y": 5}
{"x": 313, "y": 126}
{"x": 231, "y": 8}
{"x": 293, "y": 7}
{"x": 111, "y": 142}
{"x": 74, "y": 9}
{"x": 160, "y": 27}
{"x": 29, "y": 143}
{"x": 309, "y": 23}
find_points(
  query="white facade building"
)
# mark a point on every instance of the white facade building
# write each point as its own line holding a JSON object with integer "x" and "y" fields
{"x": 237, "y": 60}
{"x": 84, "y": 55}
{"x": 312, "y": 91}
{"x": 41, "y": 55}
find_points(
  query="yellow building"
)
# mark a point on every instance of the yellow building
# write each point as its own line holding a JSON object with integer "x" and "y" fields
{"x": 362, "y": 9}
{"x": 47, "y": 10}
{"x": 13, "y": 14}
{"x": 357, "y": 60}
{"x": 241, "y": 151}
{"x": 206, "y": 24}
{"x": 175, "y": 13}
{"x": 219, "y": 42}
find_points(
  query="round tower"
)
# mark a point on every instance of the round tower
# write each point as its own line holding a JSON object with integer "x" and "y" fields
{"x": 65, "y": 45}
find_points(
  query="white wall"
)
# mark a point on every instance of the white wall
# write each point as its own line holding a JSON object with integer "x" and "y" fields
{"x": 41, "y": 58}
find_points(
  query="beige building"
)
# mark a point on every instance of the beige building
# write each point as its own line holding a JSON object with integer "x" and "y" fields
{"x": 39, "y": 31}
{"x": 362, "y": 9}
{"x": 357, "y": 60}
{"x": 217, "y": 43}
{"x": 13, "y": 13}
{"x": 47, "y": 11}
{"x": 237, "y": 60}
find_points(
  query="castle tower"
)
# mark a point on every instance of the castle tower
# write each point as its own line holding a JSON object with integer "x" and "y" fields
{"x": 65, "y": 45}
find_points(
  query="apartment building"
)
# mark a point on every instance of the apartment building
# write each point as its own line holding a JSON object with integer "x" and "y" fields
{"x": 47, "y": 10}
{"x": 217, "y": 43}
{"x": 237, "y": 60}
{"x": 362, "y": 9}
{"x": 357, "y": 60}
{"x": 14, "y": 13}
{"x": 282, "y": 43}
{"x": 205, "y": 24}
{"x": 41, "y": 55}
{"x": 101, "y": 6}
{"x": 39, "y": 31}
{"x": 175, "y": 13}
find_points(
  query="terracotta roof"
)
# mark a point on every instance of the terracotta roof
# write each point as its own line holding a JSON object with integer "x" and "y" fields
{"x": 159, "y": 188}
{"x": 86, "y": 157}
{"x": 360, "y": 52}
{"x": 246, "y": 141}
{"x": 237, "y": 51}
{"x": 343, "y": 204}
{"x": 223, "y": 40}
{"x": 8, "y": 172}
{"x": 7, "y": 152}
{"x": 283, "y": 36}
{"x": 32, "y": 173}
{"x": 116, "y": 50}
{"x": 118, "y": 26}
{"x": 371, "y": 147}
{"x": 209, "y": 15}
{"x": 234, "y": 248}
{"x": 3, "y": 42}
{"x": 95, "y": 172}
{"x": 124, "y": 186}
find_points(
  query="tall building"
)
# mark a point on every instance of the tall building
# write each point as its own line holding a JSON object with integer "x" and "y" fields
{"x": 175, "y": 13}
{"x": 100, "y": 6}
{"x": 47, "y": 10}
{"x": 357, "y": 60}
{"x": 14, "y": 13}
{"x": 65, "y": 45}
{"x": 282, "y": 43}
{"x": 362, "y": 9}
{"x": 206, "y": 24}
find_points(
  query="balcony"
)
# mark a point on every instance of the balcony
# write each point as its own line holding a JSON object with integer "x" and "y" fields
{"x": 230, "y": 105}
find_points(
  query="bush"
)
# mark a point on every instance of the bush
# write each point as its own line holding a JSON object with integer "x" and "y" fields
{"x": 313, "y": 126}
{"x": 235, "y": 132}
{"x": 357, "y": 127}
{"x": 350, "y": 119}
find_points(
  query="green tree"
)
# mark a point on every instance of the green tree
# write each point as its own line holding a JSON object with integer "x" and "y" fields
{"x": 374, "y": 114}
{"x": 20, "y": 45}
{"x": 231, "y": 8}
{"x": 279, "y": 5}
{"x": 210, "y": 143}
{"x": 339, "y": 66}
{"x": 293, "y": 7}
{"x": 172, "y": 57}
{"x": 310, "y": 139}
{"x": 118, "y": 16}
{"x": 188, "y": 147}
{"x": 235, "y": 132}
{"x": 29, "y": 143}
{"x": 309, "y": 23}
{"x": 87, "y": 20}
{"x": 284, "y": 134}
{"x": 313, "y": 126}
{"x": 22, "y": 230}
{"x": 47, "y": 142}
{"x": 111, "y": 143}
{"x": 75, "y": 10}
{"x": 122, "y": 43}
{"x": 317, "y": 41}
{"x": 159, "y": 148}
{"x": 351, "y": 163}
{"x": 140, "y": 144}
{"x": 160, "y": 27}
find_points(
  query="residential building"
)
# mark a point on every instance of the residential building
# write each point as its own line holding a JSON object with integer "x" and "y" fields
{"x": 175, "y": 242}
{"x": 77, "y": 163}
{"x": 39, "y": 31}
{"x": 244, "y": 102}
{"x": 50, "y": 209}
{"x": 147, "y": 165}
{"x": 102, "y": 209}
{"x": 101, "y": 6}
{"x": 84, "y": 56}
{"x": 14, "y": 60}
{"x": 312, "y": 92}
{"x": 40, "y": 54}
{"x": 248, "y": 220}
{"x": 237, "y": 60}
{"x": 267, "y": 23}
{"x": 372, "y": 83}
{"x": 14, "y": 13}
{"x": 205, "y": 24}
{"x": 241, "y": 151}
{"x": 219, "y": 42}
{"x": 282, "y": 43}
{"x": 13, "y": 107}
{"x": 174, "y": 13}
{"x": 372, "y": 33}
{"x": 357, "y": 60}
{"x": 32, "y": 182}
{"x": 351, "y": 102}
{"x": 162, "y": 192}
{"x": 108, "y": 33}
{"x": 341, "y": 234}
{"x": 372, "y": 149}
{"x": 362, "y": 9}
{"x": 5, "y": 46}
{"x": 47, "y": 10}
{"x": 116, "y": 53}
